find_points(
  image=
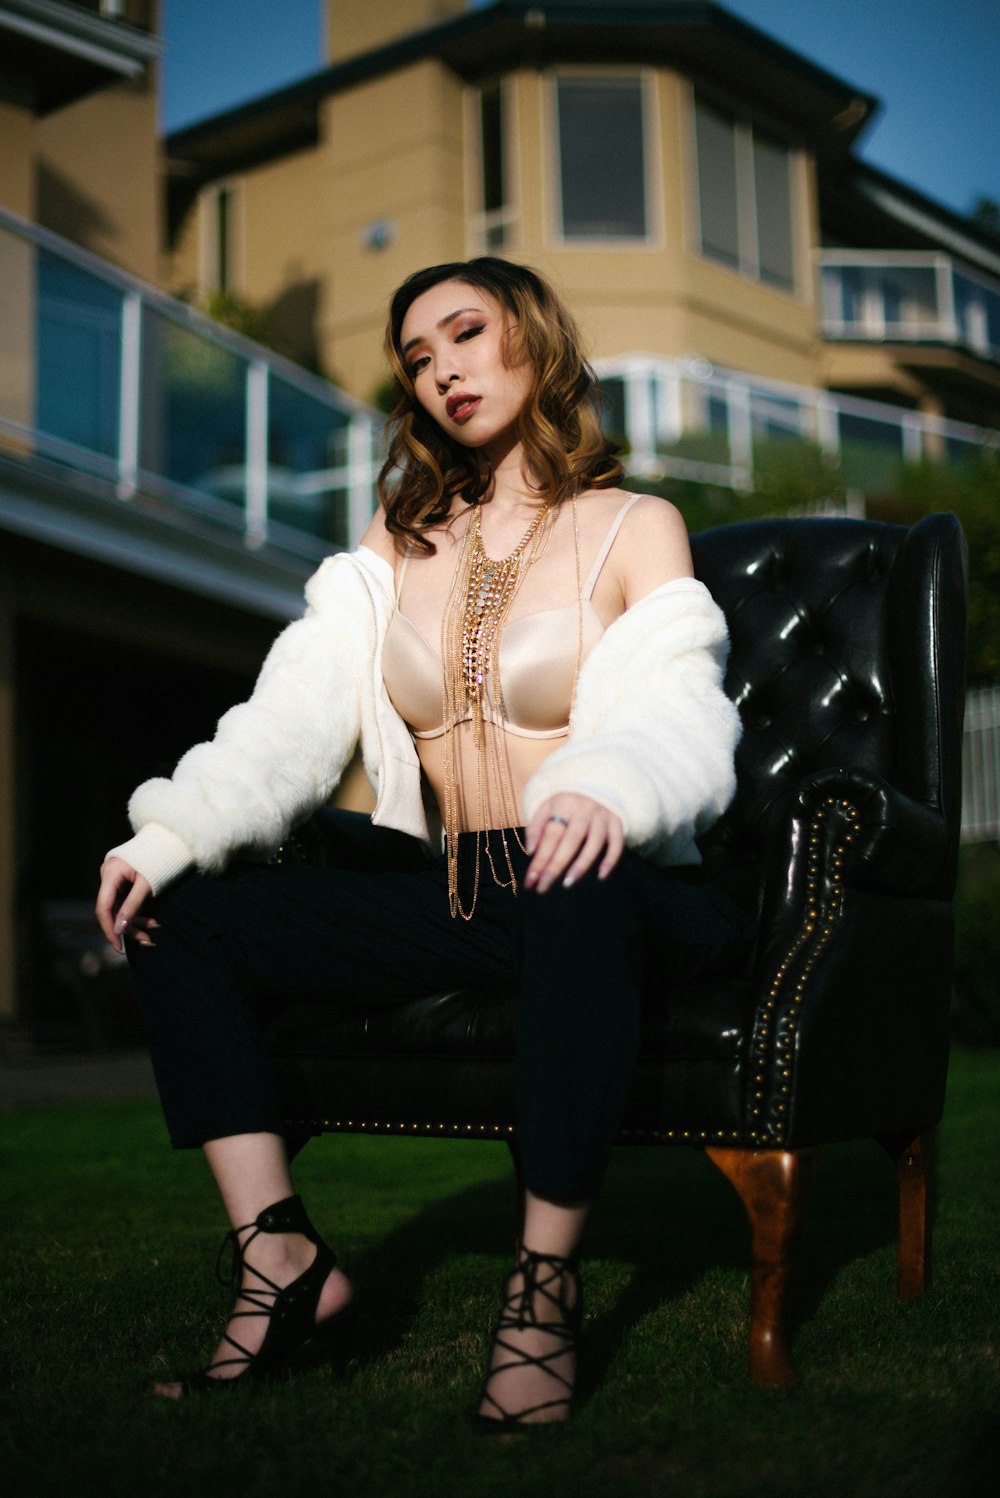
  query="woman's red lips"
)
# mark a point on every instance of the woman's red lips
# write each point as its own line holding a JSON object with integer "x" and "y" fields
{"x": 461, "y": 405}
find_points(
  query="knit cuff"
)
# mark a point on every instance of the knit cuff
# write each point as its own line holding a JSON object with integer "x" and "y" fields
{"x": 156, "y": 853}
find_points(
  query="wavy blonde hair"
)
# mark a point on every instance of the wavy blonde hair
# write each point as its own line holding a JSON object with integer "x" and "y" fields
{"x": 558, "y": 424}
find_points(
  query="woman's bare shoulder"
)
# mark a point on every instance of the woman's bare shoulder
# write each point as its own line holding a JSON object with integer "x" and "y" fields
{"x": 653, "y": 547}
{"x": 657, "y": 510}
{"x": 379, "y": 539}
{"x": 651, "y": 520}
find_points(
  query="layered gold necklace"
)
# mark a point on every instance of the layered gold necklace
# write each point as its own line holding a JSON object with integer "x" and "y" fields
{"x": 483, "y": 590}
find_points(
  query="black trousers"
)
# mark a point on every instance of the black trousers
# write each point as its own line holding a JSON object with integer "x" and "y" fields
{"x": 373, "y": 926}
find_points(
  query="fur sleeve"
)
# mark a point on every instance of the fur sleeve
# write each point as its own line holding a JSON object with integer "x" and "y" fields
{"x": 652, "y": 733}
{"x": 279, "y": 755}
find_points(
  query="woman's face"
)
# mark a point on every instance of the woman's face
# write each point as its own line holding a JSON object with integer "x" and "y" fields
{"x": 452, "y": 343}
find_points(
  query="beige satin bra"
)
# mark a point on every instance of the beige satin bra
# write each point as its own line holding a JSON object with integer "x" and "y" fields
{"x": 538, "y": 662}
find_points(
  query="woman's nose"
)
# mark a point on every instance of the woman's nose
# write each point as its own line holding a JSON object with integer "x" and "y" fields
{"x": 446, "y": 373}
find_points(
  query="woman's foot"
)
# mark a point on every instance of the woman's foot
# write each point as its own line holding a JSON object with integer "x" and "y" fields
{"x": 532, "y": 1369}
{"x": 284, "y": 1301}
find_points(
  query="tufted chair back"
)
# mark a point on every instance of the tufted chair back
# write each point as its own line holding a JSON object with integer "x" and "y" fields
{"x": 847, "y": 643}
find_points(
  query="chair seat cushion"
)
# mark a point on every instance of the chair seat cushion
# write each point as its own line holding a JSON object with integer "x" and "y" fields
{"x": 705, "y": 1018}
{"x": 353, "y": 1068}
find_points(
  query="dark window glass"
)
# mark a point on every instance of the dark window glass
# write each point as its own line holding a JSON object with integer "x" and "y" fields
{"x": 223, "y": 238}
{"x": 602, "y": 162}
{"x": 717, "y": 190}
{"x": 491, "y": 138}
{"x": 745, "y": 198}
{"x": 78, "y": 362}
{"x": 773, "y": 193}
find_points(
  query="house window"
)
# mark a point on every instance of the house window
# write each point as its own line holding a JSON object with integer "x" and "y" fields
{"x": 745, "y": 198}
{"x": 494, "y": 203}
{"x": 602, "y": 157}
{"x": 223, "y": 239}
{"x": 220, "y": 206}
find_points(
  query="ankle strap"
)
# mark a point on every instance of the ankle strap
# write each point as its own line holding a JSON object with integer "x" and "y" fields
{"x": 286, "y": 1216}
{"x": 544, "y": 1289}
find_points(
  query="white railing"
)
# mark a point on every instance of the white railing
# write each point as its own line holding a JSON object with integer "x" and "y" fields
{"x": 689, "y": 419}
{"x": 102, "y": 373}
{"x": 909, "y": 297}
{"x": 981, "y": 766}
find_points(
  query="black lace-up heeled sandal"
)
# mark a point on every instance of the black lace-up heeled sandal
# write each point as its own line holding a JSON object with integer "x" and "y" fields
{"x": 293, "y": 1339}
{"x": 549, "y": 1301}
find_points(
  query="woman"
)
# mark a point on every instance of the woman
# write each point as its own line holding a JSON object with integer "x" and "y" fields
{"x": 505, "y": 577}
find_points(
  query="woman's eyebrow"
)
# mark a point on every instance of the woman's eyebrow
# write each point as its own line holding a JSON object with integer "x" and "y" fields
{"x": 444, "y": 323}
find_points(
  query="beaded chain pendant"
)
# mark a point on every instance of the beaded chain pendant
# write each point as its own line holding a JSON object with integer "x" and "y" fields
{"x": 483, "y": 590}
{"x": 489, "y": 593}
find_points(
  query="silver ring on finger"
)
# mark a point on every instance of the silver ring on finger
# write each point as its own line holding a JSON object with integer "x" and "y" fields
{"x": 556, "y": 818}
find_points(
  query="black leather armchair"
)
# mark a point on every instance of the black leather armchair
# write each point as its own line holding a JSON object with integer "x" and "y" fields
{"x": 847, "y": 666}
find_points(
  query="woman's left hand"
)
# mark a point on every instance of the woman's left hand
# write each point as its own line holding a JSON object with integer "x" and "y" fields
{"x": 566, "y": 836}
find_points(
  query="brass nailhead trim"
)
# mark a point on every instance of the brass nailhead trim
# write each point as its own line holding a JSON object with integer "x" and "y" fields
{"x": 364, "y": 1126}
{"x": 811, "y": 934}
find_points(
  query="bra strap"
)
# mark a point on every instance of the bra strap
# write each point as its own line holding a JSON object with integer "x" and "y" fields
{"x": 402, "y": 571}
{"x": 609, "y": 541}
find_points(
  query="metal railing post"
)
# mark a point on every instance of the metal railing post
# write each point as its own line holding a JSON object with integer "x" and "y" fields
{"x": 639, "y": 417}
{"x": 359, "y": 478}
{"x": 947, "y": 311}
{"x": 913, "y": 437}
{"x": 671, "y": 405}
{"x": 129, "y": 398}
{"x": 739, "y": 430}
{"x": 256, "y": 456}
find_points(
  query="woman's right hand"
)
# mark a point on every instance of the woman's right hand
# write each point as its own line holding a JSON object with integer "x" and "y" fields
{"x": 122, "y": 894}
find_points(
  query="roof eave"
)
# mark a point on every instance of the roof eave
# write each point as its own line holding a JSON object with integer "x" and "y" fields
{"x": 516, "y": 32}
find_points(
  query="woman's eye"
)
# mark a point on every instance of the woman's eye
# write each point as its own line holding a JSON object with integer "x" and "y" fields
{"x": 414, "y": 368}
{"x": 468, "y": 333}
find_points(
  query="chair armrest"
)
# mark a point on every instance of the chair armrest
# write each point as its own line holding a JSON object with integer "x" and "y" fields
{"x": 843, "y": 829}
{"x": 853, "y": 961}
{"x": 889, "y": 842}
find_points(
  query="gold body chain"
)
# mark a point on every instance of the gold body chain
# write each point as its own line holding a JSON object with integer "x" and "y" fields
{"x": 483, "y": 589}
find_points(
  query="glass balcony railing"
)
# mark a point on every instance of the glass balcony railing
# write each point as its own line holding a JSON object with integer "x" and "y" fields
{"x": 687, "y": 419}
{"x": 909, "y": 298}
{"x": 103, "y": 375}
{"x": 134, "y": 12}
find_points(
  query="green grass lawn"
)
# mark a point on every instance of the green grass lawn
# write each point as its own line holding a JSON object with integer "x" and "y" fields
{"x": 107, "y": 1282}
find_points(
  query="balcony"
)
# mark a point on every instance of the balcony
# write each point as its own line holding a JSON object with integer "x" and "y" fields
{"x": 912, "y": 298}
{"x": 133, "y": 12}
{"x": 687, "y": 419}
{"x": 61, "y": 50}
{"x": 127, "y": 419}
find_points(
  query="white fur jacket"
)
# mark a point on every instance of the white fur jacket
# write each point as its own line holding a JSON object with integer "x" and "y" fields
{"x": 652, "y": 733}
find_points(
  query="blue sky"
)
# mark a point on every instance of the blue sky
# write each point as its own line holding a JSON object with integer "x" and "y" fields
{"x": 934, "y": 63}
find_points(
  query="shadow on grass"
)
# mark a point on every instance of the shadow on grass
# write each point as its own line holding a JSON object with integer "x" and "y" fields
{"x": 665, "y": 1211}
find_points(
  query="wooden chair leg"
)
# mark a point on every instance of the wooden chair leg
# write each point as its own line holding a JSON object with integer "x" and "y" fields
{"x": 914, "y": 1157}
{"x": 773, "y": 1186}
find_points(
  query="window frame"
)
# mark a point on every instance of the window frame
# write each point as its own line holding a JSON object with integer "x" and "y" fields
{"x": 481, "y": 221}
{"x": 231, "y": 282}
{"x": 649, "y": 99}
{"x": 749, "y": 131}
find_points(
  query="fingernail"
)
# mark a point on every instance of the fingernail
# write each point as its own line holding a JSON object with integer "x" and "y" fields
{"x": 120, "y": 925}
{"x": 569, "y": 881}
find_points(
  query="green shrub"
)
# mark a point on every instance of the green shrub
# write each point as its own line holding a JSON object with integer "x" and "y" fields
{"x": 976, "y": 1012}
{"x": 972, "y": 490}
